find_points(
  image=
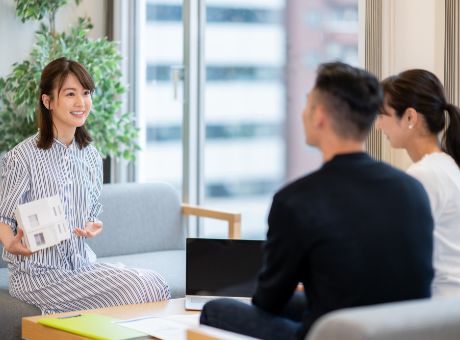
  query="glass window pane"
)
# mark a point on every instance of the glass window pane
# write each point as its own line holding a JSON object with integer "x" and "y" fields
{"x": 33, "y": 220}
{"x": 39, "y": 239}
{"x": 261, "y": 62}
{"x": 161, "y": 159}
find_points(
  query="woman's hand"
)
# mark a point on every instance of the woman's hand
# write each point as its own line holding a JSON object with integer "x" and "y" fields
{"x": 15, "y": 247}
{"x": 91, "y": 229}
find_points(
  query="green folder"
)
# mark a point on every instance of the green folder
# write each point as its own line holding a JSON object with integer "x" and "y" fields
{"x": 93, "y": 326}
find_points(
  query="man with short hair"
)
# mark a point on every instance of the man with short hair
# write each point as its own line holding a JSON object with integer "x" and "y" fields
{"x": 356, "y": 232}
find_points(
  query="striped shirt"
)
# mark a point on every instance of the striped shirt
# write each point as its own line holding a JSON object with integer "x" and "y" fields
{"x": 29, "y": 174}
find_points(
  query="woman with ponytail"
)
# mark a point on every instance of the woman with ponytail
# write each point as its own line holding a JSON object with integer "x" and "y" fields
{"x": 414, "y": 113}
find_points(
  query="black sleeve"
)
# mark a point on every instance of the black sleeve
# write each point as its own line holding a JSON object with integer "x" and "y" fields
{"x": 279, "y": 275}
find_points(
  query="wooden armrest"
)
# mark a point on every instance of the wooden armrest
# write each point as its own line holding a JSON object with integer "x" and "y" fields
{"x": 234, "y": 220}
{"x": 210, "y": 333}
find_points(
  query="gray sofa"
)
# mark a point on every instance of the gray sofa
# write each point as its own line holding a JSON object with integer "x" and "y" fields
{"x": 143, "y": 228}
{"x": 425, "y": 319}
{"x": 156, "y": 215}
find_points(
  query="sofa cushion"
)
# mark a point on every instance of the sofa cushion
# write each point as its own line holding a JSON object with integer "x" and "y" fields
{"x": 12, "y": 310}
{"x": 426, "y": 319}
{"x": 139, "y": 218}
{"x": 153, "y": 210}
{"x": 170, "y": 264}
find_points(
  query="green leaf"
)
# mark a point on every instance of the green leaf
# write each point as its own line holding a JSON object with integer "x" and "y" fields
{"x": 113, "y": 134}
{"x": 29, "y": 12}
{"x": 41, "y": 37}
{"x": 63, "y": 43}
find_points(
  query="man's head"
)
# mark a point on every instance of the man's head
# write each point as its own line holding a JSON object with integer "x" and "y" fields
{"x": 343, "y": 103}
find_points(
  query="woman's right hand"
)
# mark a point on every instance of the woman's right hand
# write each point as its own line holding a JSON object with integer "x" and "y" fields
{"x": 16, "y": 248}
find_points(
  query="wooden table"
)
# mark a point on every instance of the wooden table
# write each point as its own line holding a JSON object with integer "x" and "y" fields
{"x": 33, "y": 331}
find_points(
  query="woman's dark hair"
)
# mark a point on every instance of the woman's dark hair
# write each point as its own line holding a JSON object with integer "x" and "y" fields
{"x": 422, "y": 91}
{"x": 53, "y": 77}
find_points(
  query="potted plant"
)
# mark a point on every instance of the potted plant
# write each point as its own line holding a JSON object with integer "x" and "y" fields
{"x": 114, "y": 134}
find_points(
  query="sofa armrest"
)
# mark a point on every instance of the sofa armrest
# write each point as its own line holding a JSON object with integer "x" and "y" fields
{"x": 234, "y": 220}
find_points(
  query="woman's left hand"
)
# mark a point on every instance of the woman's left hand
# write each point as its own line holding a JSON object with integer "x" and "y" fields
{"x": 91, "y": 229}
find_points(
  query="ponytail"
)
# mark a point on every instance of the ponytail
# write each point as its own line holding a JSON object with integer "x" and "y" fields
{"x": 451, "y": 139}
{"x": 422, "y": 91}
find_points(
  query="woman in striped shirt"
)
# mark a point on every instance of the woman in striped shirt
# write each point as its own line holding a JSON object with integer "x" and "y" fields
{"x": 59, "y": 159}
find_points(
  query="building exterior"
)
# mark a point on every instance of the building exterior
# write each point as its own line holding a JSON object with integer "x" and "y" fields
{"x": 261, "y": 59}
{"x": 317, "y": 31}
{"x": 43, "y": 223}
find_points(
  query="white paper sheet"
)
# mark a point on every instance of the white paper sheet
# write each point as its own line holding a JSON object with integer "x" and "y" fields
{"x": 157, "y": 327}
{"x": 192, "y": 320}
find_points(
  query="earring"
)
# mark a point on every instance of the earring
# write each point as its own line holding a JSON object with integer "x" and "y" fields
{"x": 411, "y": 126}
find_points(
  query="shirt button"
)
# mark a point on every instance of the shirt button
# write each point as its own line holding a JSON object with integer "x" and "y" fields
{"x": 71, "y": 208}
{"x": 69, "y": 181}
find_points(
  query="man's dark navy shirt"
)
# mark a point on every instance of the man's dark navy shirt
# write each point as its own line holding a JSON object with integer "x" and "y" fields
{"x": 357, "y": 232}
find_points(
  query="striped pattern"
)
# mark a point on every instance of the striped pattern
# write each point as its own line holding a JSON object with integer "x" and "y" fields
{"x": 373, "y": 64}
{"x": 452, "y": 54}
{"x": 65, "y": 277}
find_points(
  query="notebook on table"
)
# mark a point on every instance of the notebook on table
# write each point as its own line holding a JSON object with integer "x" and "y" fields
{"x": 93, "y": 326}
{"x": 217, "y": 268}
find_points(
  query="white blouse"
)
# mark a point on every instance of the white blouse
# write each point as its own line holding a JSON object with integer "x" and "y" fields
{"x": 440, "y": 176}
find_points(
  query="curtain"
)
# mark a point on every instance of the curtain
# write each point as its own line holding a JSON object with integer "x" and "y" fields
{"x": 373, "y": 64}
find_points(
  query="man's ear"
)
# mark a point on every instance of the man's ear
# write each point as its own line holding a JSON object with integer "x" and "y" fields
{"x": 320, "y": 117}
{"x": 46, "y": 101}
{"x": 410, "y": 117}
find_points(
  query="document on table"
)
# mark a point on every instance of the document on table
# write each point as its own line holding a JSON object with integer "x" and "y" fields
{"x": 157, "y": 327}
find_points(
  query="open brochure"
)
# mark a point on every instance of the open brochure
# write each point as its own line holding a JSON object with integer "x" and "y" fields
{"x": 171, "y": 328}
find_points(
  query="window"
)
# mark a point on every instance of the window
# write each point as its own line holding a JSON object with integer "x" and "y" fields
{"x": 258, "y": 75}
{"x": 33, "y": 220}
{"x": 162, "y": 73}
{"x": 60, "y": 212}
{"x": 261, "y": 59}
{"x": 39, "y": 239}
{"x": 54, "y": 208}
{"x": 161, "y": 157}
{"x": 215, "y": 14}
{"x": 59, "y": 226}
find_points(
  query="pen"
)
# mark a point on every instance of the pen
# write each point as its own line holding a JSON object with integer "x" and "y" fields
{"x": 70, "y": 316}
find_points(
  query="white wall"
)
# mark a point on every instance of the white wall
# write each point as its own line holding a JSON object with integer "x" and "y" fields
{"x": 413, "y": 37}
{"x": 17, "y": 39}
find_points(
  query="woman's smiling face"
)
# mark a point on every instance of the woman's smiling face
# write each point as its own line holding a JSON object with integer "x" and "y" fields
{"x": 70, "y": 107}
{"x": 392, "y": 126}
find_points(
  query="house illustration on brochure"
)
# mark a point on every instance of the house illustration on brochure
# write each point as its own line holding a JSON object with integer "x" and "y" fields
{"x": 43, "y": 223}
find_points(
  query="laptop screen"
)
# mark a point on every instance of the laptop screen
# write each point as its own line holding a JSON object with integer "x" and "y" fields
{"x": 222, "y": 267}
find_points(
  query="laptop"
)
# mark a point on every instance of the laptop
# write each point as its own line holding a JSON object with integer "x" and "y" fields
{"x": 217, "y": 268}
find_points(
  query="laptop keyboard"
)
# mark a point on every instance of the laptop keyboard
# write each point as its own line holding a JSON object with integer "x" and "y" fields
{"x": 207, "y": 299}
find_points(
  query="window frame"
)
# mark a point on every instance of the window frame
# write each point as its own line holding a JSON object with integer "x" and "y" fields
{"x": 129, "y": 26}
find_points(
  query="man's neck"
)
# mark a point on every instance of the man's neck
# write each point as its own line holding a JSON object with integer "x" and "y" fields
{"x": 340, "y": 147}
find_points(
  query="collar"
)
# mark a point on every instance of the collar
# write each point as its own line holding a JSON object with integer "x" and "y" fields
{"x": 349, "y": 157}
{"x": 58, "y": 142}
